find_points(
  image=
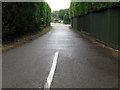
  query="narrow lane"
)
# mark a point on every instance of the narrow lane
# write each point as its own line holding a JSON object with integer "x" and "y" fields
{"x": 80, "y": 63}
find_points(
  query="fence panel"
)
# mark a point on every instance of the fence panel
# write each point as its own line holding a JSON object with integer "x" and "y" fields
{"x": 102, "y": 26}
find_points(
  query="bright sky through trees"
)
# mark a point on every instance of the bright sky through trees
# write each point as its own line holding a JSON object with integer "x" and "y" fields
{"x": 58, "y": 4}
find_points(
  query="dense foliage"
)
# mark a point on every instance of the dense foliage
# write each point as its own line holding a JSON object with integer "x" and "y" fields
{"x": 62, "y": 14}
{"x": 21, "y": 18}
{"x": 55, "y": 15}
{"x": 66, "y": 18}
{"x": 80, "y": 8}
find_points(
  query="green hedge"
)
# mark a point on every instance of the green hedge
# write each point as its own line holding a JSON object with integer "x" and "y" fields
{"x": 66, "y": 18}
{"x": 21, "y": 18}
{"x": 80, "y": 8}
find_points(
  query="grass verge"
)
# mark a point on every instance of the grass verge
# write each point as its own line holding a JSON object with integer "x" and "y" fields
{"x": 25, "y": 39}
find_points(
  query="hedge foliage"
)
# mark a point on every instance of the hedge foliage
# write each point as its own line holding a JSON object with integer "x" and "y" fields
{"x": 66, "y": 18}
{"x": 80, "y": 8}
{"x": 21, "y": 18}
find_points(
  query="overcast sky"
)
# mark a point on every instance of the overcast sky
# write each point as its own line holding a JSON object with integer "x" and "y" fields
{"x": 58, "y": 4}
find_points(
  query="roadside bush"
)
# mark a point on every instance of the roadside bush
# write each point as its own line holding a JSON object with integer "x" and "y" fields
{"x": 81, "y": 8}
{"x": 22, "y": 18}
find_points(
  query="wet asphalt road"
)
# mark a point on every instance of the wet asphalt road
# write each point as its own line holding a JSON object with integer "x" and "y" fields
{"x": 81, "y": 64}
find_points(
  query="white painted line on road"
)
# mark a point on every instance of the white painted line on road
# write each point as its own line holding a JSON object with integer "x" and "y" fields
{"x": 51, "y": 73}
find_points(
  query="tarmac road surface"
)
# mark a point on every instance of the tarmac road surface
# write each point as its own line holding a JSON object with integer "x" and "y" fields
{"x": 80, "y": 64}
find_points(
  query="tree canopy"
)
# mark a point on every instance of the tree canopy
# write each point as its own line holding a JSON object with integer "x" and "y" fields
{"x": 62, "y": 14}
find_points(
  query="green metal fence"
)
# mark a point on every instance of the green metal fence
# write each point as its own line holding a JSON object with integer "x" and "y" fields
{"x": 102, "y": 25}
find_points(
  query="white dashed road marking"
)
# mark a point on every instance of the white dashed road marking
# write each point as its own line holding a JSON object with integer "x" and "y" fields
{"x": 51, "y": 73}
